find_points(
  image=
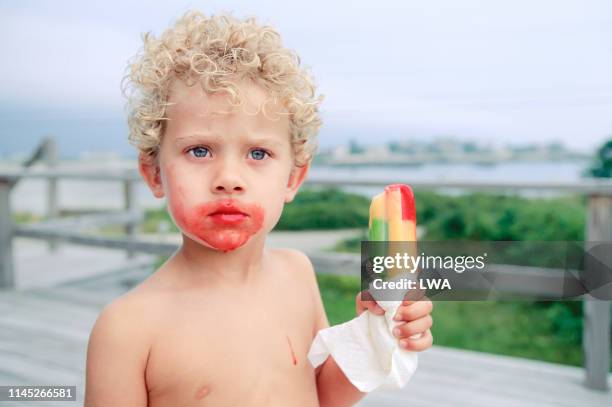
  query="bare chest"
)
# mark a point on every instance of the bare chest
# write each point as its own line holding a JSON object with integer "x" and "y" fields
{"x": 251, "y": 352}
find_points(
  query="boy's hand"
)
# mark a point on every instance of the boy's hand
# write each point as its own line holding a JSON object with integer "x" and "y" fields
{"x": 413, "y": 317}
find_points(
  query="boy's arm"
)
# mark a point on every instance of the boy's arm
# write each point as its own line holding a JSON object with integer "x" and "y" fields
{"x": 333, "y": 388}
{"x": 116, "y": 360}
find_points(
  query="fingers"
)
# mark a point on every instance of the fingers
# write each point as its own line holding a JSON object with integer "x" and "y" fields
{"x": 364, "y": 301}
{"x": 413, "y": 311}
{"x": 414, "y": 295}
{"x": 408, "y": 329}
{"x": 418, "y": 345}
{"x": 415, "y": 334}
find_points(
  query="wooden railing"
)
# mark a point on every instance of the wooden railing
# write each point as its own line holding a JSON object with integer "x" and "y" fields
{"x": 596, "y": 334}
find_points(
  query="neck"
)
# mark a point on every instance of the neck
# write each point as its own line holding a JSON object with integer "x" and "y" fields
{"x": 202, "y": 266}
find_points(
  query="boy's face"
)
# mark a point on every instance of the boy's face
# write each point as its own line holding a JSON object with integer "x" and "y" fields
{"x": 226, "y": 177}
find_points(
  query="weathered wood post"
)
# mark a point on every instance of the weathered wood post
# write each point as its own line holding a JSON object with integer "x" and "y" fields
{"x": 596, "y": 333}
{"x": 7, "y": 277}
{"x": 129, "y": 193}
{"x": 50, "y": 154}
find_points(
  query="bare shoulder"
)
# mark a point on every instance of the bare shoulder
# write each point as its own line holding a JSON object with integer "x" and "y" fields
{"x": 125, "y": 309}
{"x": 118, "y": 322}
{"x": 296, "y": 260}
{"x": 117, "y": 353}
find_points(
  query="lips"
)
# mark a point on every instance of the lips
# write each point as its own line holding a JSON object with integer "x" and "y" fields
{"x": 227, "y": 209}
{"x": 228, "y": 212}
{"x": 229, "y": 217}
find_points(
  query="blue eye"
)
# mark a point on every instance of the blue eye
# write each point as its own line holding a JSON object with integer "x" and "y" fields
{"x": 199, "y": 152}
{"x": 258, "y": 154}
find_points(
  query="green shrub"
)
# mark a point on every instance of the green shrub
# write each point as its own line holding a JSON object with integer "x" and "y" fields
{"x": 551, "y": 333}
{"x": 26, "y": 217}
{"x": 325, "y": 209}
{"x": 497, "y": 217}
{"x": 153, "y": 218}
{"x": 338, "y": 294}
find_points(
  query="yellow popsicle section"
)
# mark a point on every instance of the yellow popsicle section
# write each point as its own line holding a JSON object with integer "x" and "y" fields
{"x": 399, "y": 229}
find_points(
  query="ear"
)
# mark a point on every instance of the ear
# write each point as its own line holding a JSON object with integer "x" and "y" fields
{"x": 148, "y": 166}
{"x": 296, "y": 179}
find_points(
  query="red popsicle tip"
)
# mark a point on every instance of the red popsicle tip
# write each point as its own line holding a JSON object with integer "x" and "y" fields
{"x": 407, "y": 196}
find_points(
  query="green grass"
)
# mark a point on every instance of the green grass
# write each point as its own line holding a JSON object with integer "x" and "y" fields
{"x": 338, "y": 293}
{"x": 519, "y": 329}
{"x": 22, "y": 218}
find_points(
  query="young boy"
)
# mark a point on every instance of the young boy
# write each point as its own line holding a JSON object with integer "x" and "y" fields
{"x": 225, "y": 120}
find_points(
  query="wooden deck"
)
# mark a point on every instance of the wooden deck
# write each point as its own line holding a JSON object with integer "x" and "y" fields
{"x": 44, "y": 333}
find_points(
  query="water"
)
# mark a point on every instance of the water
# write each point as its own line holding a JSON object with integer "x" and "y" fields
{"x": 528, "y": 172}
{"x": 565, "y": 171}
{"x": 29, "y": 195}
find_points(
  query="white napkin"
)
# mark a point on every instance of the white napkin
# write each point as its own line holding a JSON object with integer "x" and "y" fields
{"x": 366, "y": 350}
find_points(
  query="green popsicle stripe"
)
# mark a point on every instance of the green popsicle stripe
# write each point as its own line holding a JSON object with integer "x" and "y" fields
{"x": 378, "y": 231}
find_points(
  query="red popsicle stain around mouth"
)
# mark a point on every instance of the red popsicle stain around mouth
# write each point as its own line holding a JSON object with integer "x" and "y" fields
{"x": 222, "y": 229}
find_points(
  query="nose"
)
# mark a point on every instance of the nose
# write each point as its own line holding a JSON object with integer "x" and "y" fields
{"x": 227, "y": 178}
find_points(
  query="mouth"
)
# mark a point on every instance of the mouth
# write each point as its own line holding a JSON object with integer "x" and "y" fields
{"x": 228, "y": 212}
{"x": 229, "y": 217}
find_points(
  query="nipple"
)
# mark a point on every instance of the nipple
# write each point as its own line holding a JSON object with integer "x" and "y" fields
{"x": 202, "y": 392}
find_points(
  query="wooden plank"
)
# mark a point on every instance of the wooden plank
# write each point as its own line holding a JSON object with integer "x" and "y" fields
{"x": 40, "y": 371}
{"x": 50, "y": 154}
{"x": 480, "y": 379}
{"x": 89, "y": 175}
{"x": 64, "y": 330}
{"x": 15, "y": 300}
{"x": 129, "y": 196}
{"x": 37, "y": 269}
{"x": 7, "y": 268}
{"x": 13, "y": 339}
{"x": 41, "y": 316}
{"x": 98, "y": 241}
{"x": 83, "y": 222}
{"x": 596, "y": 331}
{"x": 71, "y": 359}
{"x": 80, "y": 298}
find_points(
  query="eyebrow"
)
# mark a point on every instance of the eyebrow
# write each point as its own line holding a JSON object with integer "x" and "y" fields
{"x": 214, "y": 137}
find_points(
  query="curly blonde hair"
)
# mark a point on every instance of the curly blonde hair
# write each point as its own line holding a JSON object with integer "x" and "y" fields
{"x": 218, "y": 51}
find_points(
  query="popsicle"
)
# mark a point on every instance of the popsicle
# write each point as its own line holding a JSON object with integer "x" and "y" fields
{"x": 393, "y": 217}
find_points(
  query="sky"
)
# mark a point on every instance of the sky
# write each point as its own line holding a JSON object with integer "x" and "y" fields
{"x": 509, "y": 72}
